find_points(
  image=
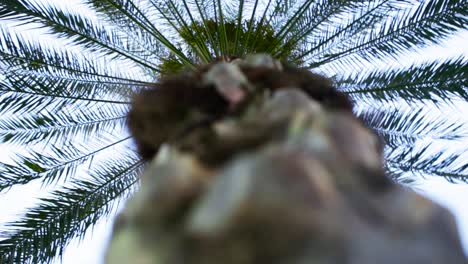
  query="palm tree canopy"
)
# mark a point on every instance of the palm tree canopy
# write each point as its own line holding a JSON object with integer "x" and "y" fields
{"x": 65, "y": 101}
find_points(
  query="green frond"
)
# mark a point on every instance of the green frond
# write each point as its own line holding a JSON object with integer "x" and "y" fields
{"x": 193, "y": 29}
{"x": 398, "y": 127}
{"x": 320, "y": 33}
{"x": 431, "y": 81}
{"x": 21, "y": 56}
{"x": 57, "y": 127}
{"x": 45, "y": 230}
{"x": 220, "y": 21}
{"x": 132, "y": 14}
{"x": 134, "y": 25}
{"x": 296, "y": 18}
{"x": 406, "y": 29}
{"x": 250, "y": 29}
{"x": 61, "y": 163}
{"x": 220, "y": 32}
{"x": 239, "y": 15}
{"x": 312, "y": 20}
{"x": 75, "y": 28}
{"x": 427, "y": 161}
{"x": 204, "y": 30}
{"x": 279, "y": 18}
{"x": 32, "y": 94}
{"x": 176, "y": 16}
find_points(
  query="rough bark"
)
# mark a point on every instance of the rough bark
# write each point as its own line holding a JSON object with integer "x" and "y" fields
{"x": 289, "y": 180}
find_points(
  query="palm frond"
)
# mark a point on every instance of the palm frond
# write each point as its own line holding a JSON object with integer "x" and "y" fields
{"x": 239, "y": 15}
{"x": 431, "y": 81}
{"x": 176, "y": 16}
{"x": 399, "y": 127}
{"x": 406, "y": 29}
{"x": 311, "y": 26}
{"x": 322, "y": 33}
{"x": 219, "y": 18}
{"x": 22, "y": 56}
{"x": 200, "y": 6}
{"x": 58, "y": 127}
{"x": 60, "y": 164}
{"x": 72, "y": 89}
{"x": 255, "y": 30}
{"x": 128, "y": 17}
{"x": 76, "y": 28}
{"x": 131, "y": 13}
{"x": 46, "y": 229}
{"x": 427, "y": 161}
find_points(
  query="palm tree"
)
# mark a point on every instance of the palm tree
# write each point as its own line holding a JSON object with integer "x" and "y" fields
{"x": 67, "y": 79}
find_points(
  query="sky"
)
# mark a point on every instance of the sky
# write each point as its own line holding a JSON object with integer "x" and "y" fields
{"x": 91, "y": 249}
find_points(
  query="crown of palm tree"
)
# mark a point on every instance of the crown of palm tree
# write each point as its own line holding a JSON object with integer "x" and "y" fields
{"x": 63, "y": 100}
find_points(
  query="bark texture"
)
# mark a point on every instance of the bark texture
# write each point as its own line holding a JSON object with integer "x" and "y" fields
{"x": 280, "y": 177}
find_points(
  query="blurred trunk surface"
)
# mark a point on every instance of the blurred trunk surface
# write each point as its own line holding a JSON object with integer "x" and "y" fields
{"x": 288, "y": 181}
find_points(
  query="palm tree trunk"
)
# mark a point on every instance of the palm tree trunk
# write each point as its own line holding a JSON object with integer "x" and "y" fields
{"x": 282, "y": 173}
